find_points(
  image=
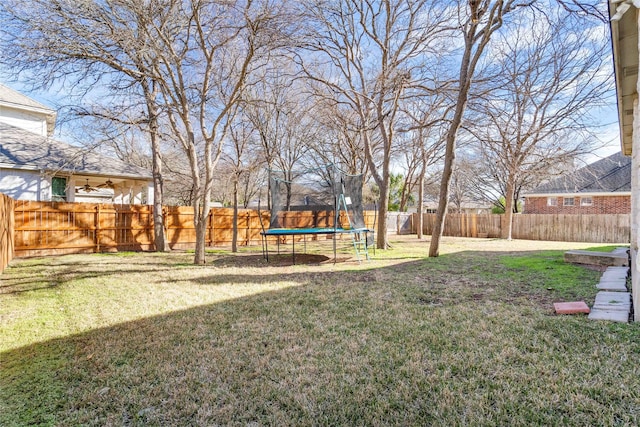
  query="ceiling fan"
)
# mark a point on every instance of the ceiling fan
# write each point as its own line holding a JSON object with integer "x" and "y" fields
{"x": 86, "y": 188}
{"x": 108, "y": 184}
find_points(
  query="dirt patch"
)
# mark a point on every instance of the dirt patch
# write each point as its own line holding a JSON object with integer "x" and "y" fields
{"x": 281, "y": 260}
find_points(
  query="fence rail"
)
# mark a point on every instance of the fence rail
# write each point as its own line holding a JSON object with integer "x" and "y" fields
{"x": 6, "y": 231}
{"x": 567, "y": 228}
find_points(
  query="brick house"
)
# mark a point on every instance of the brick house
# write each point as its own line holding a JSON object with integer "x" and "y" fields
{"x": 602, "y": 187}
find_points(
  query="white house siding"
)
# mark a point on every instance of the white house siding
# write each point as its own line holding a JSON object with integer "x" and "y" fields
{"x": 24, "y": 185}
{"x": 32, "y": 122}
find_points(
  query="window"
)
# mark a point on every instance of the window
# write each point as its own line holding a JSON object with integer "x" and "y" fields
{"x": 552, "y": 201}
{"x": 586, "y": 201}
{"x": 58, "y": 189}
{"x": 568, "y": 201}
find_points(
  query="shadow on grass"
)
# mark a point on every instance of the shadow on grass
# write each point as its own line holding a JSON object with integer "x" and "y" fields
{"x": 34, "y": 282}
{"x": 418, "y": 343}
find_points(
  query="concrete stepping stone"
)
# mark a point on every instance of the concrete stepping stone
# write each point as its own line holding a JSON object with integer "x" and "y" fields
{"x": 572, "y": 307}
{"x": 613, "y": 301}
{"x": 614, "y": 279}
{"x": 612, "y": 285}
{"x": 613, "y": 316}
{"x": 615, "y": 273}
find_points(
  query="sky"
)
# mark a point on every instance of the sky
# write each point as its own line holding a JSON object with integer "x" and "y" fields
{"x": 55, "y": 98}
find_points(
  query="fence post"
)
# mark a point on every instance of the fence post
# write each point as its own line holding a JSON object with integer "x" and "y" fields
{"x": 474, "y": 225}
{"x": 165, "y": 226}
{"x": 248, "y": 233}
{"x": 211, "y": 236}
{"x": 97, "y": 228}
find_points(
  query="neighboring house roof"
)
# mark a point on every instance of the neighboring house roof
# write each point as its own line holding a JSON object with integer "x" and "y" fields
{"x": 609, "y": 175}
{"x": 21, "y": 149}
{"x": 14, "y": 99}
{"x": 431, "y": 202}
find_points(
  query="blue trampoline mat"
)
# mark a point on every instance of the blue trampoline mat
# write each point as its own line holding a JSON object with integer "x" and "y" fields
{"x": 292, "y": 231}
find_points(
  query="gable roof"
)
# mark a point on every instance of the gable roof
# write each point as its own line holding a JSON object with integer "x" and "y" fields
{"x": 14, "y": 99}
{"x": 21, "y": 149}
{"x": 609, "y": 175}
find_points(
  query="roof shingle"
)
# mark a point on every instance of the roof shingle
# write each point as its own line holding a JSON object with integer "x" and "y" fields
{"x": 609, "y": 175}
{"x": 22, "y": 149}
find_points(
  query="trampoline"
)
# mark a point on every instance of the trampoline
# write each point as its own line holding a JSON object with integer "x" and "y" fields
{"x": 332, "y": 201}
{"x": 356, "y": 234}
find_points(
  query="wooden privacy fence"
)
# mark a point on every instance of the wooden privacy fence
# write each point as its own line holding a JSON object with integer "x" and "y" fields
{"x": 566, "y": 228}
{"x": 6, "y": 230}
{"x": 52, "y": 228}
{"x": 614, "y": 228}
{"x": 400, "y": 223}
{"x": 44, "y": 228}
{"x": 47, "y": 228}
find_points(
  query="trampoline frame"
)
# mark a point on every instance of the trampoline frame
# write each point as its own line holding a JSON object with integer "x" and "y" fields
{"x": 340, "y": 203}
{"x": 277, "y": 232}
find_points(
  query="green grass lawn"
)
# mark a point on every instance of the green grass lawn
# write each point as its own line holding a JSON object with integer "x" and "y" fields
{"x": 469, "y": 338}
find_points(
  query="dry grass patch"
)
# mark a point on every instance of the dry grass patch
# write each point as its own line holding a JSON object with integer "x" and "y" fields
{"x": 467, "y": 338}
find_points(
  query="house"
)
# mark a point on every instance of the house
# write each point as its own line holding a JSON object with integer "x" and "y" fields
{"x": 430, "y": 205}
{"x": 624, "y": 38}
{"x": 34, "y": 166}
{"x": 602, "y": 187}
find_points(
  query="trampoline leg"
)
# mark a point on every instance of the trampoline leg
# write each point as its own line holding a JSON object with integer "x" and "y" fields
{"x": 265, "y": 248}
{"x": 335, "y": 252}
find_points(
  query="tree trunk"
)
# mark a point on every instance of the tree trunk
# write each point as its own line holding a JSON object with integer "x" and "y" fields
{"x": 161, "y": 243}
{"x": 381, "y": 240}
{"x": 404, "y": 196}
{"x": 467, "y": 70}
{"x": 450, "y": 152}
{"x": 201, "y": 219}
{"x": 445, "y": 182}
{"x": 234, "y": 238}
{"x": 508, "y": 209}
{"x": 420, "y": 221}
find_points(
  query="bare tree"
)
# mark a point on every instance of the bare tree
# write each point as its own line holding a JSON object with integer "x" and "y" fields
{"x": 116, "y": 138}
{"x": 462, "y": 183}
{"x": 365, "y": 55}
{"x": 478, "y": 20}
{"x": 539, "y": 114}
{"x": 189, "y": 60}
{"x": 429, "y": 154}
{"x": 339, "y": 140}
{"x": 242, "y": 162}
{"x": 84, "y": 45}
{"x": 281, "y": 114}
{"x": 204, "y": 64}
{"x": 424, "y": 125}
